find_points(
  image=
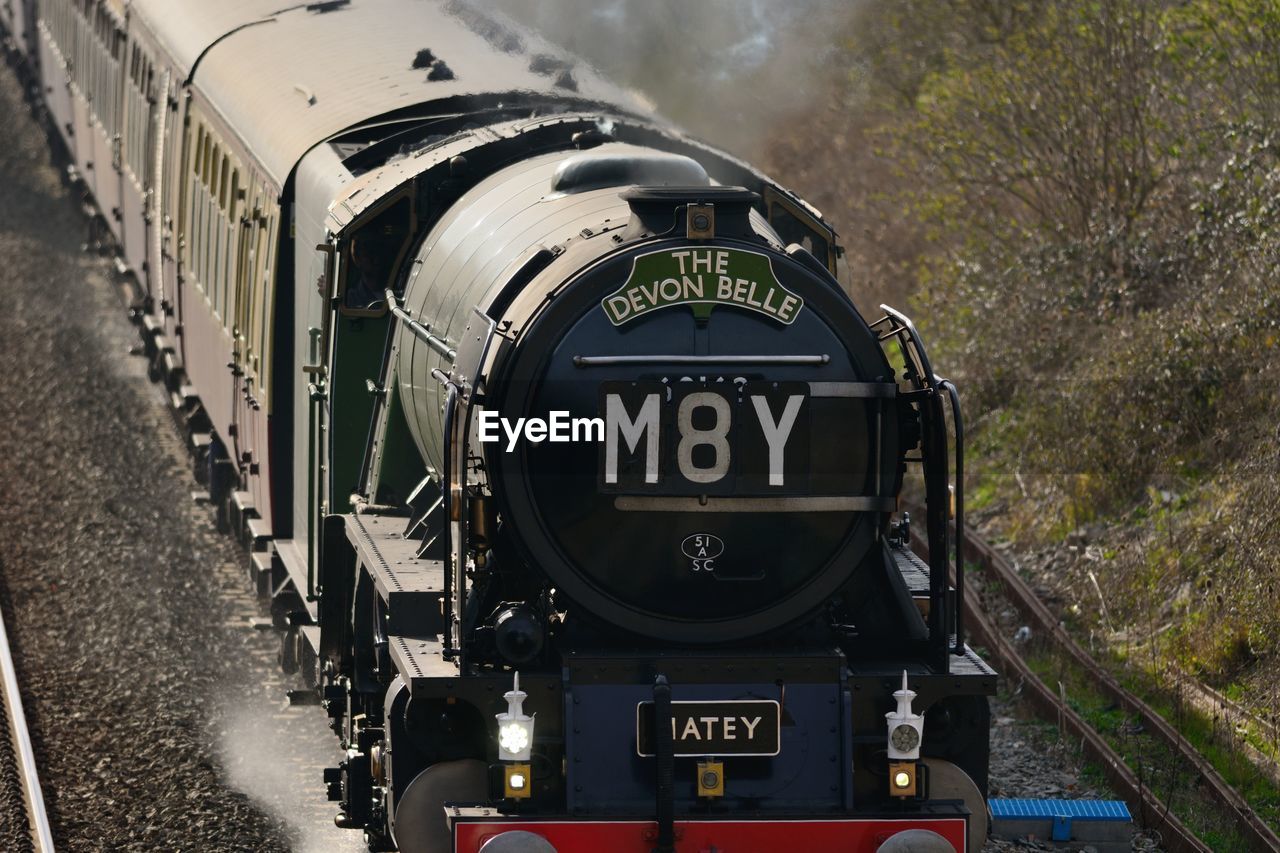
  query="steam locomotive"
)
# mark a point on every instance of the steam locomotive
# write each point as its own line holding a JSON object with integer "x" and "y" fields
{"x": 567, "y": 467}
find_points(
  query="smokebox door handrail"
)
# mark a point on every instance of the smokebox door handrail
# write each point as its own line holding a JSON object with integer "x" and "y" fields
{"x": 929, "y": 391}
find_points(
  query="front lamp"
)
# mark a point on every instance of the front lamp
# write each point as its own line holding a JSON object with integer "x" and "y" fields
{"x": 515, "y": 727}
{"x": 514, "y": 738}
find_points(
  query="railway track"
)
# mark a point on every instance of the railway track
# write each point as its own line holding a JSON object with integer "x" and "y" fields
{"x": 1235, "y": 718}
{"x": 1149, "y": 809}
{"x": 22, "y": 760}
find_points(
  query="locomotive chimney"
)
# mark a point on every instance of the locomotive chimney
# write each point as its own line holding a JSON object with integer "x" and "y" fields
{"x": 697, "y": 213}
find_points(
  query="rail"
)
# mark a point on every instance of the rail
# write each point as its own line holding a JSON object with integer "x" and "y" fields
{"x": 32, "y": 796}
{"x": 1258, "y": 833}
{"x": 1175, "y": 837}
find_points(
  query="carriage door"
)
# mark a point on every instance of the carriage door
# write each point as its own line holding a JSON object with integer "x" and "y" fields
{"x": 240, "y": 312}
{"x": 172, "y": 171}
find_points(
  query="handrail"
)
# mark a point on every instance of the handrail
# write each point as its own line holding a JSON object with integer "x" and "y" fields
{"x": 423, "y": 333}
{"x": 452, "y": 642}
{"x": 957, "y": 424}
{"x": 930, "y": 387}
{"x": 610, "y": 360}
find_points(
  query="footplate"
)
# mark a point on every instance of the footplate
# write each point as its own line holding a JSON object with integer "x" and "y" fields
{"x": 412, "y": 588}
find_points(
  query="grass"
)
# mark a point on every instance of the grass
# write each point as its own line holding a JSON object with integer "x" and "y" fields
{"x": 1208, "y": 739}
{"x": 1158, "y": 766}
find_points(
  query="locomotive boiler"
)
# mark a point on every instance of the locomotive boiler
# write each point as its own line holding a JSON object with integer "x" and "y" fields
{"x": 567, "y": 467}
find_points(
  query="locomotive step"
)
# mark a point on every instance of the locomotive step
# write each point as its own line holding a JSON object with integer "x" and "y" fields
{"x": 257, "y": 533}
{"x": 241, "y": 510}
{"x": 260, "y": 564}
{"x": 242, "y": 502}
{"x": 172, "y": 363}
{"x": 1102, "y": 824}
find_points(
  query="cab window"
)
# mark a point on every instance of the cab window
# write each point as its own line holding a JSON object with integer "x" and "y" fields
{"x": 371, "y": 258}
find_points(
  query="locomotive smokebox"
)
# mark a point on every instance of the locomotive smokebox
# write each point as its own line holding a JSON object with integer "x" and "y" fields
{"x": 738, "y": 444}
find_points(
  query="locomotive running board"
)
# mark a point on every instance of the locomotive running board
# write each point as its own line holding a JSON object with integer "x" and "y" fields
{"x": 412, "y": 588}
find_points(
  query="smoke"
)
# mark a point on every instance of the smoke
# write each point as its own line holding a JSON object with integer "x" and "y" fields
{"x": 276, "y": 754}
{"x": 734, "y": 72}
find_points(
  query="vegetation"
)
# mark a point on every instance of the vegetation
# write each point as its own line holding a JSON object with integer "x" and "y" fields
{"x": 1079, "y": 199}
{"x": 1160, "y": 768}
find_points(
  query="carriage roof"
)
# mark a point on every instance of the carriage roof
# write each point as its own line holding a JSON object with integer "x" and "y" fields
{"x": 289, "y": 78}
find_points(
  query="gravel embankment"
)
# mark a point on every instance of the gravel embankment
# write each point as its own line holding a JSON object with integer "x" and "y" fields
{"x": 156, "y": 707}
{"x": 1029, "y": 761}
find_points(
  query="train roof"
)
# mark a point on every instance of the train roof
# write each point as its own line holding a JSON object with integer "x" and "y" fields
{"x": 185, "y": 28}
{"x": 287, "y": 79}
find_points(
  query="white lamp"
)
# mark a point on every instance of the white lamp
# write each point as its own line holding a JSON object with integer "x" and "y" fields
{"x": 906, "y": 729}
{"x": 515, "y": 727}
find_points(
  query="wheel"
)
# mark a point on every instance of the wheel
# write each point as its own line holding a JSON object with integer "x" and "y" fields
{"x": 419, "y": 825}
{"x": 949, "y": 782}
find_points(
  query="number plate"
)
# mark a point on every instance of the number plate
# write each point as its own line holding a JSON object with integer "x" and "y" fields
{"x": 714, "y": 438}
{"x": 728, "y": 727}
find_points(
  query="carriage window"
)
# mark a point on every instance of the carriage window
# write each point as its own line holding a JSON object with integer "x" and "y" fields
{"x": 222, "y": 183}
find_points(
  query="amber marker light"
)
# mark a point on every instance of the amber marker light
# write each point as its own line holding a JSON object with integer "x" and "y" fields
{"x": 710, "y": 778}
{"x": 902, "y": 779}
{"x": 517, "y": 782}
